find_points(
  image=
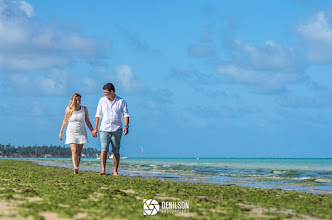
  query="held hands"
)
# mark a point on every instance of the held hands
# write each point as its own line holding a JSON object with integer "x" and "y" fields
{"x": 95, "y": 133}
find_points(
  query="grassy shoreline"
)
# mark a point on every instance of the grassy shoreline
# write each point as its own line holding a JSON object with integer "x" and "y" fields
{"x": 40, "y": 192}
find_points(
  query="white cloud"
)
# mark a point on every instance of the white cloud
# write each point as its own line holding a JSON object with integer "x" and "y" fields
{"x": 54, "y": 83}
{"x": 267, "y": 69}
{"x": 316, "y": 34}
{"x": 263, "y": 81}
{"x": 30, "y": 62}
{"x": 270, "y": 56}
{"x": 125, "y": 80}
{"x": 318, "y": 29}
{"x": 18, "y": 8}
{"x": 272, "y": 67}
{"x": 90, "y": 85}
{"x": 27, "y": 44}
{"x": 27, "y": 8}
{"x": 51, "y": 83}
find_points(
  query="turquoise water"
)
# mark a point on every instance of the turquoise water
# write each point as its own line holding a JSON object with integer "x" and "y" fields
{"x": 309, "y": 175}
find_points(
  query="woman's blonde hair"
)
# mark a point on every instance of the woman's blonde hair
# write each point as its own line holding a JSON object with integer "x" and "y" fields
{"x": 72, "y": 103}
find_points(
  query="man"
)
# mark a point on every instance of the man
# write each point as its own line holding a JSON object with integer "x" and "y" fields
{"x": 110, "y": 108}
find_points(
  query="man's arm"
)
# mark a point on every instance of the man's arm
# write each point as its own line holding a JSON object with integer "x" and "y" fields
{"x": 125, "y": 113}
{"x": 126, "y": 128}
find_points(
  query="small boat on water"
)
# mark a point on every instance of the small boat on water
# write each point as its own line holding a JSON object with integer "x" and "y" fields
{"x": 120, "y": 157}
{"x": 111, "y": 157}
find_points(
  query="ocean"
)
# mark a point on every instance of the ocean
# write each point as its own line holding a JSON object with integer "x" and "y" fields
{"x": 310, "y": 175}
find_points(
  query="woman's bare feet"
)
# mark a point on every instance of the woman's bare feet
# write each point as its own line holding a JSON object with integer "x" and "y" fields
{"x": 115, "y": 173}
{"x": 102, "y": 172}
{"x": 76, "y": 171}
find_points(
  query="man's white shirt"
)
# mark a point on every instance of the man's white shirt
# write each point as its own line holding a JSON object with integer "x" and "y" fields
{"x": 111, "y": 113}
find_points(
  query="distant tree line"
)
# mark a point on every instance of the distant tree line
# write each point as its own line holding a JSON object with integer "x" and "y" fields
{"x": 42, "y": 151}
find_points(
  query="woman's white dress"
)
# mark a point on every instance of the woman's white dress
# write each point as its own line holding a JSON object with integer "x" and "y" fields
{"x": 76, "y": 132}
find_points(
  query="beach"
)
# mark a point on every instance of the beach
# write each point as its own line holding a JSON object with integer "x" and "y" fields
{"x": 29, "y": 190}
{"x": 311, "y": 175}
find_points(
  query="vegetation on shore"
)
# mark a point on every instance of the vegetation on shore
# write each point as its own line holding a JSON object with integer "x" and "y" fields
{"x": 42, "y": 191}
{"x": 42, "y": 151}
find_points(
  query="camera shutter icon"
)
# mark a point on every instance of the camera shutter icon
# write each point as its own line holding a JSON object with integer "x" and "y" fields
{"x": 150, "y": 207}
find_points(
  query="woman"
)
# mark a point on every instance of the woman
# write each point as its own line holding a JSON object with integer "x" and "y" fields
{"x": 76, "y": 135}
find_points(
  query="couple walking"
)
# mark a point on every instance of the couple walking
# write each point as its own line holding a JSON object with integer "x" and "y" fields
{"x": 110, "y": 109}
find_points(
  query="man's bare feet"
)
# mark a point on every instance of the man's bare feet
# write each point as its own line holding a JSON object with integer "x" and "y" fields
{"x": 115, "y": 173}
{"x": 102, "y": 173}
{"x": 76, "y": 171}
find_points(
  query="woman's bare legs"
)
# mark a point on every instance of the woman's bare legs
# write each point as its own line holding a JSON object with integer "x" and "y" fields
{"x": 74, "y": 151}
{"x": 79, "y": 153}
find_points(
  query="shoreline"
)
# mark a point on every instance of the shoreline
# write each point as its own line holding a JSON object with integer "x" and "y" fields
{"x": 246, "y": 181}
{"x": 38, "y": 192}
{"x": 196, "y": 179}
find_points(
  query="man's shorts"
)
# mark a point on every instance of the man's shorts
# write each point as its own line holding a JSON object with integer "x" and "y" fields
{"x": 111, "y": 137}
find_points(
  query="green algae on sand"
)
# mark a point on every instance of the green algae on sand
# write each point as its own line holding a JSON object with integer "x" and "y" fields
{"x": 45, "y": 192}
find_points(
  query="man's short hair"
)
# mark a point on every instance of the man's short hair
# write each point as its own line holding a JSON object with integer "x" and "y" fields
{"x": 109, "y": 87}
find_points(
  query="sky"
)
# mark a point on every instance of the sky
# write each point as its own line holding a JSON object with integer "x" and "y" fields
{"x": 201, "y": 78}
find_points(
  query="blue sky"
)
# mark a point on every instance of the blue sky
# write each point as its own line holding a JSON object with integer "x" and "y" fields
{"x": 201, "y": 78}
